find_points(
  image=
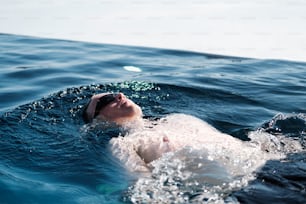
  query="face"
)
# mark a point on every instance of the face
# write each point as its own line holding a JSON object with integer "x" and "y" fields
{"x": 120, "y": 110}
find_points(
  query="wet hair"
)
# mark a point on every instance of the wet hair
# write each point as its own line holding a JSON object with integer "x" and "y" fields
{"x": 101, "y": 103}
{"x": 85, "y": 116}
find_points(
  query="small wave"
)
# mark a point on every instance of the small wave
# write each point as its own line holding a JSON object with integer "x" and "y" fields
{"x": 290, "y": 125}
{"x": 283, "y": 133}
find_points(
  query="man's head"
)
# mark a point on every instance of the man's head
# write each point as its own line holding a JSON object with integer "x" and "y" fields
{"x": 112, "y": 108}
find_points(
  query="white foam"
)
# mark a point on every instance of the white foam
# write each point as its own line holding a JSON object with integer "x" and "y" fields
{"x": 194, "y": 155}
{"x": 185, "y": 131}
{"x": 275, "y": 144}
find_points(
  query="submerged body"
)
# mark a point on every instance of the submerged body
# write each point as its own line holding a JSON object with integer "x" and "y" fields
{"x": 143, "y": 144}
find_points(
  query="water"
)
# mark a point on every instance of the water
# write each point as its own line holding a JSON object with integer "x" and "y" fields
{"x": 49, "y": 156}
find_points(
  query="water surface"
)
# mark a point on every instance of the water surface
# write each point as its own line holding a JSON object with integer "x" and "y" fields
{"x": 47, "y": 157}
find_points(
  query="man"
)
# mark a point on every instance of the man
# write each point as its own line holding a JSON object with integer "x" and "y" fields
{"x": 149, "y": 141}
{"x": 116, "y": 108}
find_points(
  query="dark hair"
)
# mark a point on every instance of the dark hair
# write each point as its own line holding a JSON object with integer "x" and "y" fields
{"x": 101, "y": 103}
{"x": 104, "y": 101}
{"x": 84, "y": 114}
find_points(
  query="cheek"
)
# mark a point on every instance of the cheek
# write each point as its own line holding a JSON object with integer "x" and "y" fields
{"x": 131, "y": 110}
{"x": 110, "y": 111}
{"x": 128, "y": 110}
{"x": 113, "y": 112}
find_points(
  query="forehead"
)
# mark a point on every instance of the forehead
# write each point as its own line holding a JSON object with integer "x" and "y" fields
{"x": 107, "y": 97}
{"x": 97, "y": 96}
{"x": 92, "y": 104}
{"x": 105, "y": 100}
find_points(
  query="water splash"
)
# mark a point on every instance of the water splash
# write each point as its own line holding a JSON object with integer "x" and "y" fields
{"x": 206, "y": 166}
{"x": 284, "y": 133}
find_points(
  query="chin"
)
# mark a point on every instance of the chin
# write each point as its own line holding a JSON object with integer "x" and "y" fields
{"x": 137, "y": 111}
{"x": 131, "y": 109}
{"x": 123, "y": 121}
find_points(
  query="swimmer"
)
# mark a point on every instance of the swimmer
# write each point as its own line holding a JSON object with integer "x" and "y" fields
{"x": 118, "y": 109}
{"x": 148, "y": 141}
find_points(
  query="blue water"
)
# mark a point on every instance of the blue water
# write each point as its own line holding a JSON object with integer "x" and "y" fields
{"x": 45, "y": 157}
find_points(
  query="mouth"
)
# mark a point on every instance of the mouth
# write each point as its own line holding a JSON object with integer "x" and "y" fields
{"x": 123, "y": 102}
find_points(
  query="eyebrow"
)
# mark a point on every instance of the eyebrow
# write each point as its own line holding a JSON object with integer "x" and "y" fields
{"x": 104, "y": 101}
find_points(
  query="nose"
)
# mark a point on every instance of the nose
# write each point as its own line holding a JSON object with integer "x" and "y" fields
{"x": 120, "y": 97}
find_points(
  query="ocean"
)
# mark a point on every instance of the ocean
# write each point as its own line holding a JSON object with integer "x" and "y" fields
{"x": 47, "y": 157}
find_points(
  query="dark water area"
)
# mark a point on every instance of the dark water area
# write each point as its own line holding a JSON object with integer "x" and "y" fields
{"x": 47, "y": 157}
